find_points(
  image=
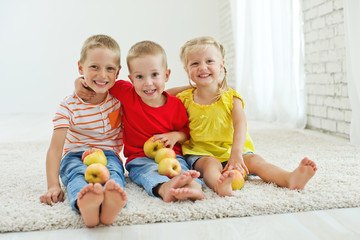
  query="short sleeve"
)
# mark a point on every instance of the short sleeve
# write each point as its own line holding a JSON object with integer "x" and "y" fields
{"x": 228, "y": 98}
{"x": 62, "y": 116}
{"x": 121, "y": 90}
{"x": 184, "y": 97}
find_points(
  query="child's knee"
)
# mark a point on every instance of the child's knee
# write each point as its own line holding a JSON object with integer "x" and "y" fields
{"x": 253, "y": 161}
{"x": 205, "y": 164}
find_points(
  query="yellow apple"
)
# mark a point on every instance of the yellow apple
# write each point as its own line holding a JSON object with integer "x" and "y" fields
{"x": 151, "y": 147}
{"x": 245, "y": 175}
{"x": 94, "y": 155}
{"x": 239, "y": 181}
{"x": 97, "y": 173}
{"x": 164, "y": 153}
{"x": 169, "y": 167}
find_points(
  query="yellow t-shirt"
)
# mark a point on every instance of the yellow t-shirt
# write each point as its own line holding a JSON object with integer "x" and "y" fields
{"x": 211, "y": 126}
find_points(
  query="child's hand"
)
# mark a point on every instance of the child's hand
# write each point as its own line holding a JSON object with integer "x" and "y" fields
{"x": 236, "y": 163}
{"x": 83, "y": 90}
{"x": 53, "y": 195}
{"x": 169, "y": 139}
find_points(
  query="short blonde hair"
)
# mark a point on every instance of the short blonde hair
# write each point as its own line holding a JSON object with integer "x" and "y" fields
{"x": 100, "y": 41}
{"x": 203, "y": 42}
{"x": 144, "y": 48}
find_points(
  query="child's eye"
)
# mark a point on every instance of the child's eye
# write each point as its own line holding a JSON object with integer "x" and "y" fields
{"x": 155, "y": 74}
{"x": 139, "y": 76}
{"x": 111, "y": 69}
{"x": 210, "y": 61}
{"x": 194, "y": 64}
{"x": 94, "y": 67}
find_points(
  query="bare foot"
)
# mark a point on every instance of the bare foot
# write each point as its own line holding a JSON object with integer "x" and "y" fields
{"x": 114, "y": 200}
{"x": 187, "y": 193}
{"x": 302, "y": 174}
{"x": 177, "y": 182}
{"x": 223, "y": 187}
{"x": 89, "y": 201}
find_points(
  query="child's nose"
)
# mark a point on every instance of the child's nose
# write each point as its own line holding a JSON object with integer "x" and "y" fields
{"x": 148, "y": 81}
{"x": 102, "y": 74}
{"x": 202, "y": 66}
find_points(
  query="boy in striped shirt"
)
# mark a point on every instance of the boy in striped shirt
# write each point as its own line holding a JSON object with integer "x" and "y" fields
{"x": 80, "y": 125}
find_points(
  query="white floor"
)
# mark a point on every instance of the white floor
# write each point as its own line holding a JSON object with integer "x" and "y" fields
{"x": 328, "y": 224}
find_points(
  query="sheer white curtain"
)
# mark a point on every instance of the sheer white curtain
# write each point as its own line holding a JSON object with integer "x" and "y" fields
{"x": 352, "y": 33}
{"x": 269, "y": 60}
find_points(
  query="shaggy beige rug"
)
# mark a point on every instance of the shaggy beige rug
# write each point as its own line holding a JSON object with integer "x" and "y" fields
{"x": 335, "y": 185}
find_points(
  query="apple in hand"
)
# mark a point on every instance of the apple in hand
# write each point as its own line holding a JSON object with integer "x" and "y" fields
{"x": 239, "y": 181}
{"x": 150, "y": 147}
{"x": 97, "y": 173}
{"x": 94, "y": 155}
{"x": 245, "y": 174}
{"x": 169, "y": 167}
{"x": 164, "y": 153}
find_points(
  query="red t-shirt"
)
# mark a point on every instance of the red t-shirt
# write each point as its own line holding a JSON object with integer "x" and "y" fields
{"x": 142, "y": 121}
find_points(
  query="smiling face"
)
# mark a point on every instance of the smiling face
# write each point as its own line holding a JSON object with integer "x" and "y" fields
{"x": 100, "y": 69}
{"x": 204, "y": 65}
{"x": 148, "y": 75}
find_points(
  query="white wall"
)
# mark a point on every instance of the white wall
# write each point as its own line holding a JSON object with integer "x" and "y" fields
{"x": 40, "y": 41}
{"x": 328, "y": 105}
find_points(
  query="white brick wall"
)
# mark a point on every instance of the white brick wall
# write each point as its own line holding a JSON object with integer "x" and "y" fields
{"x": 328, "y": 106}
{"x": 227, "y": 39}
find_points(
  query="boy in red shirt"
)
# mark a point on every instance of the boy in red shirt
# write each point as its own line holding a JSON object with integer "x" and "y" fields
{"x": 149, "y": 111}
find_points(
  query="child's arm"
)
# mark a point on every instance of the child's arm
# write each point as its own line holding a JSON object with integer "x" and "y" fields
{"x": 176, "y": 90}
{"x": 171, "y": 138}
{"x": 54, "y": 193}
{"x": 239, "y": 123}
{"x": 82, "y": 89}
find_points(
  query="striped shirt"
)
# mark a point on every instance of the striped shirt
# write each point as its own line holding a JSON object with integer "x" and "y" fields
{"x": 90, "y": 125}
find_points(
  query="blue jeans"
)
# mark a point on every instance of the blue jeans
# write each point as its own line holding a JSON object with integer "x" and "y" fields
{"x": 144, "y": 172}
{"x": 191, "y": 159}
{"x": 72, "y": 171}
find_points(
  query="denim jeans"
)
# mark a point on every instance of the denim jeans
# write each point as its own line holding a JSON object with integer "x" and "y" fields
{"x": 144, "y": 172}
{"x": 72, "y": 171}
{"x": 191, "y": 159}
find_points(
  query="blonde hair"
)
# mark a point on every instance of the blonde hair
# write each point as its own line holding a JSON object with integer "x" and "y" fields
{"x": 203, "y": 42}
{"x": 144, "y": 48}
{"x": 100, "y": 41}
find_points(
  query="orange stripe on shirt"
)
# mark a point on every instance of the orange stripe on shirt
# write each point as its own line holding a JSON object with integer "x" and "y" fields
{"x": 89, "y": 115}
{"x": 112, "y": 106}
{"x": 61, "y": 125}
{"x": 93, "y": 128}
{"x": 85, "y": 123}
{"x": 82, "y": 109}
{"x": 67, "y": 108}
{"x": 96, "y": 139}
{"x": 85, "y": 135}
{"x": 70, "y": 132}
{"x": 62, "y": 117}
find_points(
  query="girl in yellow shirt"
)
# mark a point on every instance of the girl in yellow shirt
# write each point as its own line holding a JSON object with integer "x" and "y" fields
{"x": 219, "y": 139}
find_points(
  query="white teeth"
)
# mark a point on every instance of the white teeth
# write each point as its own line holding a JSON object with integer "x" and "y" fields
{"x": 204, "y": 75}
{"x": 149, "y": 91}
{"x": 101, "y": 83}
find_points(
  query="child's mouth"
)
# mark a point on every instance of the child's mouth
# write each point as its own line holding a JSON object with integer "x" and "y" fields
{"x": 149, "y": 92}
{"x": 204, "y": 75}
{"x": 100, "y": 83}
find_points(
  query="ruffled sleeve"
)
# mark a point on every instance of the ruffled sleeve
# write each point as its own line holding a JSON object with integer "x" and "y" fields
{"x": 228, "y": 98}
{"x": 185, "y": 97}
